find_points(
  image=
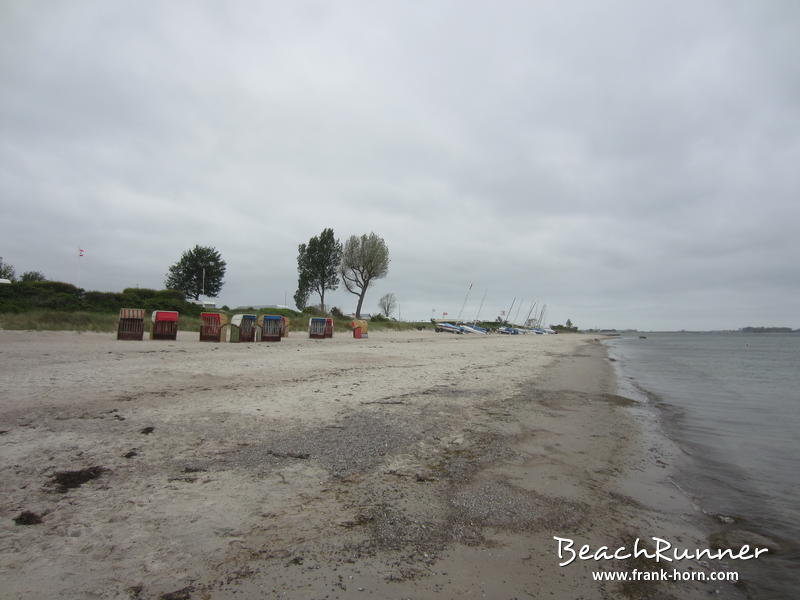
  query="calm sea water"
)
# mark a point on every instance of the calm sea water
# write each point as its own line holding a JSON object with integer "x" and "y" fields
{"x": 732, "y": 402}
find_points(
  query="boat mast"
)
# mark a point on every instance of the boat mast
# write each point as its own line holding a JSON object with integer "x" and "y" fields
{"x": 458, "y": 318}
{"x": 475, "y": 320}
{"x": 519, "y": 306}
{"x": 508, "y": 314}
{"x": 528, "y": 318}
{"x": 541, "y": 316}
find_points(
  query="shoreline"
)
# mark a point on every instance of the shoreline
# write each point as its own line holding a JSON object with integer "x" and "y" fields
{"x": 706, "y": 482}
{"x": 417, "y": 465}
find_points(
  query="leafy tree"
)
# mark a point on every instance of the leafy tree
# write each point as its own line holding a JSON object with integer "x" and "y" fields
{"x": 199, "y": 271}
{"x": 569, "y": 324}
{"x": 33, "y": 276}
{"x": 301, "y": 295}
{"x": 318, "y": 265}
{"x": 7, "y": 271}
{"x": 387, "y": 304}
{"x": 364, "y": 258}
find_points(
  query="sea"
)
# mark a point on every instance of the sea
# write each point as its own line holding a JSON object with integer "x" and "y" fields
{"x": 731, "y": 402}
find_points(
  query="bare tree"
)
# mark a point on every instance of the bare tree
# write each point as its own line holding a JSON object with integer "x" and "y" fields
{"x": 387, "y": 304}
{"x": 7, "y": 271}
{"x": 364, "y": 258}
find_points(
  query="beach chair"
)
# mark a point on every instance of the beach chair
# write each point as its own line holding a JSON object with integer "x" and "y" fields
{"x": 359, "y": 327}
{"x": 131, "y": 324}
{"x": 316, "y": 327}
{"x": 164, "y": 325}
{"x": 329, "y": 328}
{"x": 211, "y": 326}
{"x": 271, "y": 327}
{"x": 243, "y": 328}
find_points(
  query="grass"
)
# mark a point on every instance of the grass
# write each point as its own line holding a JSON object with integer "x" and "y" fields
{"x": 51, "y": 320}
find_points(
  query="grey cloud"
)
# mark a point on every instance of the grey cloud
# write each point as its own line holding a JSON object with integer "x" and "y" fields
{"x": 627, "y": 163}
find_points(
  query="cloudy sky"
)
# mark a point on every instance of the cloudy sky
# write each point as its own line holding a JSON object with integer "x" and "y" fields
{"x": 631, "y": 164}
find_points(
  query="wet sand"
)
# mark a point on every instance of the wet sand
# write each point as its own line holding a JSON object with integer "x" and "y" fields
{"x": 408, "y": 465}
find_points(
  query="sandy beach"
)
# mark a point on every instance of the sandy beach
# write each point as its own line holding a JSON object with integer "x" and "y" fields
{"x": 407, "y": 465}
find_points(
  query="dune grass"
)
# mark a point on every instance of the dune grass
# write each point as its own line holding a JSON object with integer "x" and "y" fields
{"x": 52, "y": 320}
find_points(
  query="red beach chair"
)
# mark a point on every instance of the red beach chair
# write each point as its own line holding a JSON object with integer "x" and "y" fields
{"x": 164, "y": 325}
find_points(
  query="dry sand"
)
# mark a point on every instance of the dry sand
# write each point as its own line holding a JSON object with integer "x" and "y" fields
{"x": 408, "y": 465}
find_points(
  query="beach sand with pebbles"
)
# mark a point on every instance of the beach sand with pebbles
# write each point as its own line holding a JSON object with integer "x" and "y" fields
{"x": 406, "y": 465}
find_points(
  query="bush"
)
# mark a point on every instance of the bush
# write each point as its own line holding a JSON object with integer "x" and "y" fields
{"x": 378, "y": 318}
{"x": 281, "y": 312}
{"x": 26, "y": 296}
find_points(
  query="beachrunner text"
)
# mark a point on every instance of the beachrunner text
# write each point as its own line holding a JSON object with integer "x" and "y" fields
{"x": 663, "y": 551}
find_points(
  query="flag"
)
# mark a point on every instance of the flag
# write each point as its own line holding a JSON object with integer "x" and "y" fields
{"x": 80, "y": 251}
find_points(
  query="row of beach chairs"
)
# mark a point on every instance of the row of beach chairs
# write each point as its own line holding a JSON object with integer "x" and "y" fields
{"x": 215, "y": 327}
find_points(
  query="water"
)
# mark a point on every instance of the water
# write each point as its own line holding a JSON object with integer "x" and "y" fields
{"x": 732, "y": 402}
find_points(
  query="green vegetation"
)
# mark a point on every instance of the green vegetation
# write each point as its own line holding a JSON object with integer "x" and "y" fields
{"x": 318, "y": 267}
{"x": 25, "y": 296}
{"x": 566, "y": 328}
{"x": 53, "y": 320}
{"x": 198, "y": 272}
{"x": 33, "y": 276}
{"x": 55, "y": 305}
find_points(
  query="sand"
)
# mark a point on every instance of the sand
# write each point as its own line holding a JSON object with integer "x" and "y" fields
{"x": 407, "y": 465}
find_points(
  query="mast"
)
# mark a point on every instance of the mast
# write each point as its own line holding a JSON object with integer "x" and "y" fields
{"x": 458, "y": 318}
{"x": 475, "y": 320}
{"x": 541, "y": 316}
{"x": 528, "y": 318}
{"x": 508, "y": 314}
{"x": 517, "y": 315}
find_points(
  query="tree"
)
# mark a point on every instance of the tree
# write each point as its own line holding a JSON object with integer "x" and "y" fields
{"x": 569, "y": 324}
{"x": 7, "y": 271}
{"x": 301, "y": 296}
{"x": 387, "y": 304}
{"x": 364, "y": 258}
{"x": 199, "y": 271}
{"x": 33, "y": 276}
{"x": 318, "y": 265}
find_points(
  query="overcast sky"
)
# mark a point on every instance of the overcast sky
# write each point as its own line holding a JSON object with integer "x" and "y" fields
{"x": 631, "y": 164}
